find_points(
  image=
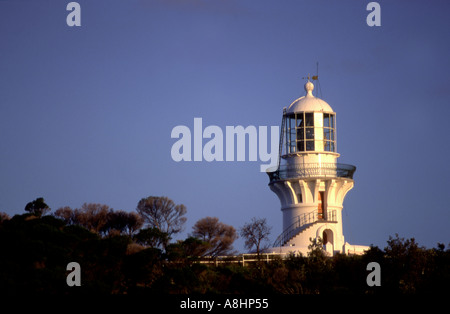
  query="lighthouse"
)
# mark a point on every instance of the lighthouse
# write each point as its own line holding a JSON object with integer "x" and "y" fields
{"x": 308, "y": 180}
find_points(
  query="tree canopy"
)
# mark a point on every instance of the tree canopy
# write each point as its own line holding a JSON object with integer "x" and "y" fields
{"x": 101, "y": 219}
{"x": 38, "y": 207}
{"x": 162, "y": 213}
{"x": 218, "y": 236}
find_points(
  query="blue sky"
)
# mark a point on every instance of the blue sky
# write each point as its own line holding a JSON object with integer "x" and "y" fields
{"x": 86, "y": 113}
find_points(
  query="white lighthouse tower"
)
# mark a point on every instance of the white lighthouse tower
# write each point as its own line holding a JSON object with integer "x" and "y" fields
{"x": 309, "y": 182}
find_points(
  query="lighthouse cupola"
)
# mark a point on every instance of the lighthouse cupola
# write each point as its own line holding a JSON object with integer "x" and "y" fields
{"x": 310, "y": 130}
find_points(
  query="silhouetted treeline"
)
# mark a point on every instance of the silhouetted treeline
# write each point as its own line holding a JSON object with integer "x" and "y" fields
{"x": 35, "y": 250}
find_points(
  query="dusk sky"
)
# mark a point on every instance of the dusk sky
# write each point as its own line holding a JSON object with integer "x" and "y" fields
{"x": 86, "y": 113}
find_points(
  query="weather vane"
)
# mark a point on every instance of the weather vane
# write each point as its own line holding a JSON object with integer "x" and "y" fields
{"x": 307, "y": 77}
{"x": 314, "y": 78}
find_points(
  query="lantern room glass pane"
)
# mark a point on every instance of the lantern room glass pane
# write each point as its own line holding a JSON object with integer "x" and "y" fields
{"x": 292, "y": 122}
{"x": 329, "y": 132}
{"x": 326, "y": 120}
{"x": 299, "y": 119}
{"x": 293, "y": 136}
{"x": 309, "y": 119}
{"x": 300, "y": 134}
{"x": 309, "y": 133}
{"x": 309, "y": 145}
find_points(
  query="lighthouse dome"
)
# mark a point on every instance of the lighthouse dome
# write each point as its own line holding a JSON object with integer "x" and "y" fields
{"x": 309, "y": 102}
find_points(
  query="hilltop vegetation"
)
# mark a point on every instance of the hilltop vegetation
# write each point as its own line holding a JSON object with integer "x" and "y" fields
{"x": 128, "y": 255}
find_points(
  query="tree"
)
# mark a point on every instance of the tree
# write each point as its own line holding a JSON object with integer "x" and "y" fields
{"x": 116, "y": 222}
{"x": 255, "y": 232}
{"x": 38, "y": 207}
{"x": 152, "y": 237}
{"x": 407, "y": 264}
{"x": 92, "y": 216}
{"x": 316, "y": 248}
{"x": 66, "y": 214}
{"x": 186, "y": 252}
{"x": 162, "y": 213}
{"x": 217, "y": 235}
{"x": 101, "y": 219}
{"x": 134, "y": 223}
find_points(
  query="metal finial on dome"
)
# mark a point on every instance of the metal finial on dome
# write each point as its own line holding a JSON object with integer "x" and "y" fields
{"x": 309, "y": 87}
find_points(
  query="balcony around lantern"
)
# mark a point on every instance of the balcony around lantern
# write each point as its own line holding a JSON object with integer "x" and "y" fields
{"x": 310, "y": 170}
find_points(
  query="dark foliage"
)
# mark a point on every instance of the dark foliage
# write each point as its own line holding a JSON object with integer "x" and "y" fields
{"x": 38, "y": 207}
{"x": 36, "y": 251}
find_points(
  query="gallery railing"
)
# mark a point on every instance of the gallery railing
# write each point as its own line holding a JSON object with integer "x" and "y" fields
{"x": 311, "y": 170}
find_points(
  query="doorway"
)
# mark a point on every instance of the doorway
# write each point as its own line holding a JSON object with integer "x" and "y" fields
{"x": 320, "y": 206}
{"x": 327, "y": 237}
{"x": 328, "y": 241}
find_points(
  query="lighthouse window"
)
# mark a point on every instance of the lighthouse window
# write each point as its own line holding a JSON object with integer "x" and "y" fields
{"x": 293, "y": 135}
{"x": 300, "y": 120}
{"x": 310, "y": 145}
{"x": 309, "y": 133}
{"x": 326, "y": 120}
{"x": 300, "y": 132}
{"x": 329, "y": 146}
{"x": 309, "y": 119}
{"x": 290, "y": 134}
{"x": 292, "y": 122}
{"x": 304, "y": 130}
{"x": 329, "y": 132}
